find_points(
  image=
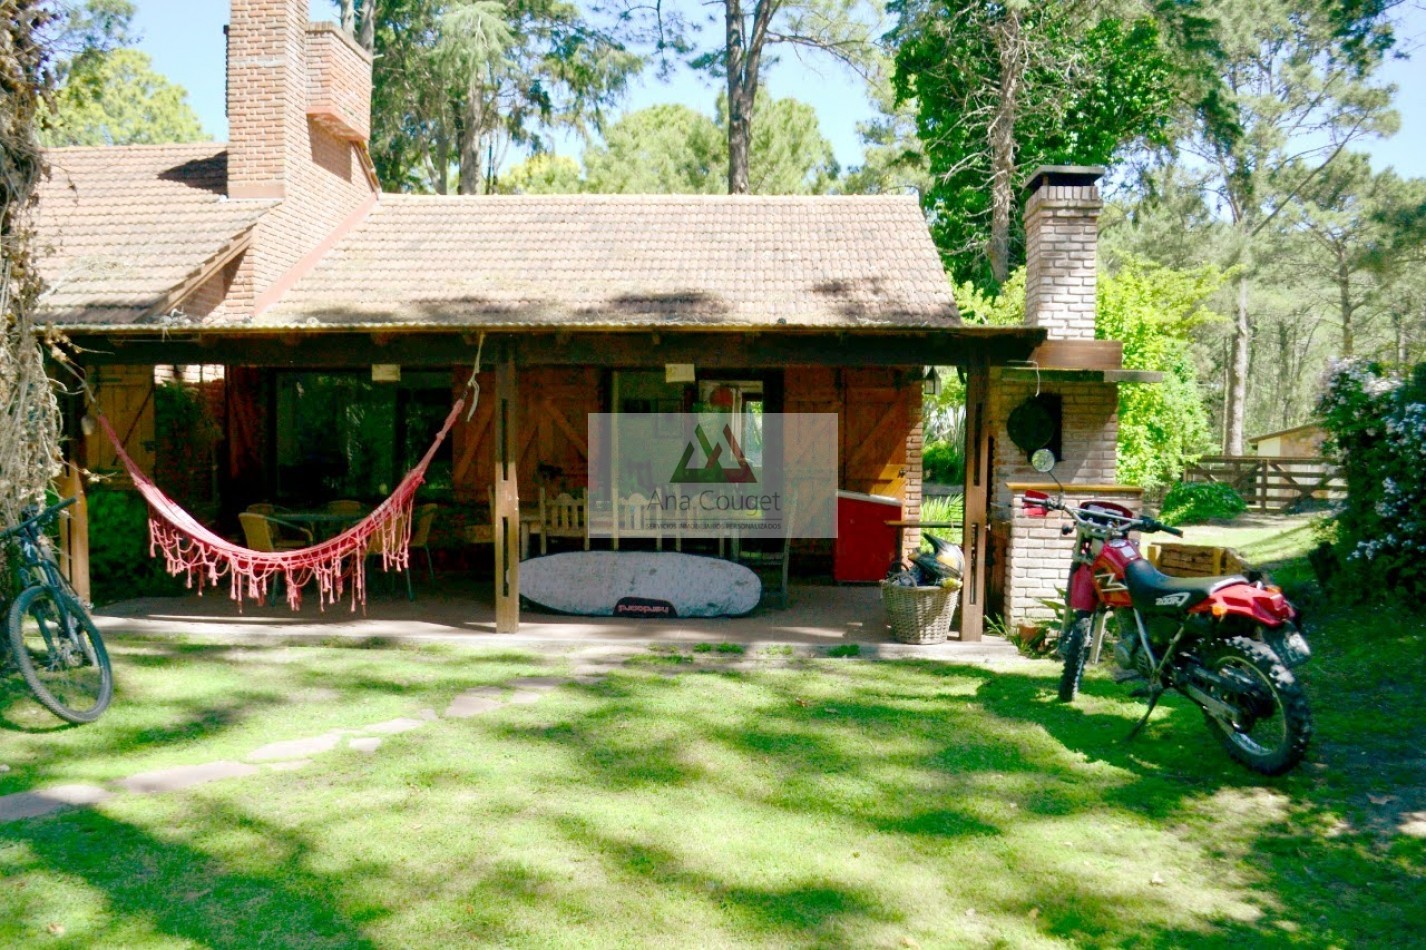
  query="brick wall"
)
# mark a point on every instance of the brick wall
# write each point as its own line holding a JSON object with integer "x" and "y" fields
{"x": 277, "y": 150}
{"x": 1061, "y": 241}
{"x": 1038, "y": 560}
{"x": 338, "y": 83}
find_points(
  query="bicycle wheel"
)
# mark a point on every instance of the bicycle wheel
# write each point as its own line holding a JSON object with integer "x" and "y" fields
{"x": 60, "y": 654}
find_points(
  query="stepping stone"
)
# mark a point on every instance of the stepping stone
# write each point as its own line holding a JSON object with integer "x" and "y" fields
{"x": 471, "y": 703}
{"x": 34, "y": 804}
{"x": 368, "y": 745}
{"x": 291, "y": 765}
{"x": 538, "y": 682}
{"x": 295, "y": 748}
{"x": 171, "y": 780}
{"x": 393, "y": 726}
{"x": 524, "y": 697}
{"x": 427, "y": 714}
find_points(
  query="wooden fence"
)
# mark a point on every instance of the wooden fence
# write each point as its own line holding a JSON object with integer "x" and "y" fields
{"x": 1271, "y": 484}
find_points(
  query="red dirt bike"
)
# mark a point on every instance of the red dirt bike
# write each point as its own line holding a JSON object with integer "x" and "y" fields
{"x": 1227, "y": 643}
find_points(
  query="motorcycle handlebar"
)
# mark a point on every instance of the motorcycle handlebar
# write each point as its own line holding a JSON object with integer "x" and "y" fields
{"x": 1142, "y": 523}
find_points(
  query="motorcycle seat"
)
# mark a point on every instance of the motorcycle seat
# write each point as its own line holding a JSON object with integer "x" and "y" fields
{"x": 1154, "y": 592}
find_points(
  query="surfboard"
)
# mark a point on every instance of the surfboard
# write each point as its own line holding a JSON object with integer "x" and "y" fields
{"x": 639, "y": 584}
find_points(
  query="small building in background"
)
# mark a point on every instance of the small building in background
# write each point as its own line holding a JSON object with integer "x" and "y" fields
{"x": 1304, "y": 441}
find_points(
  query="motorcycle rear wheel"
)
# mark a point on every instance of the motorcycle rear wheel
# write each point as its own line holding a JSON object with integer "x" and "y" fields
{"x": 1076, "y": 653}
{"x": 1269, "y": 741}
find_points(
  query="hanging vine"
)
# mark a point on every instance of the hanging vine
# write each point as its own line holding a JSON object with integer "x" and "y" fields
{"x": 29, "y": 411}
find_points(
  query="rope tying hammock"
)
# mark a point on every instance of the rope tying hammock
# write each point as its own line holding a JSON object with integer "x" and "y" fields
{"x": 193, "y": 550}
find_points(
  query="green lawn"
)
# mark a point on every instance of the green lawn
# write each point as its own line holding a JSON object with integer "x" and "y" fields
{"x": 790, "y": 803}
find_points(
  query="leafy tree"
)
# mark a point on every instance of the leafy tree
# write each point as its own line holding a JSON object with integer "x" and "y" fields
{"x": 664, "y": 149}
{"x": 1002, "y": 87}
{"x": 118, "y": 99}
{"x": 543, "y": 174}
{"x": 893, "y": 159}
{"x": 677, "y": 150}
{"x": 459, "y": 82}
{"x": 841, "y": 29}
{"x": 1295, "y": 93}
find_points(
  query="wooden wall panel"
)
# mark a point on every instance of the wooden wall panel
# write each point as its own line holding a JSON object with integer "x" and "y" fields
{"x": 124, "y": 394}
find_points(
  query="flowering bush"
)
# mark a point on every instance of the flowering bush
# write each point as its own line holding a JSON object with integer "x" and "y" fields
{"x": 1377, "y": 433}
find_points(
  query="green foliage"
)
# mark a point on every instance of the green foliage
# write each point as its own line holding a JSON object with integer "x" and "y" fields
{"x": 845, "y": 650}
{"x": 1377, "y": 426}
{"x": 948, "y": 508}
{"x": 673, "y": 149}
{"x": 664, "y": 149}
{"x": 944, "y": 463}
{"x": 1153, "y": 310}
{"x": 120, "y": 566}
{"x": 1004, "y": 307}
{"x": 1002, "y": 88}
{"x": 1197, "y": 502}
{"x": 542, "y": 174}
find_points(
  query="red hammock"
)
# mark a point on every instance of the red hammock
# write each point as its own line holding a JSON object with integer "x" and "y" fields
{"x": 191, "y": 549}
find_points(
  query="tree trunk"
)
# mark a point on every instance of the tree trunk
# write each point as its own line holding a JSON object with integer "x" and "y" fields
{"x": 744, "y": 64}
{"x": 1344, "y": 300}
{"x": 349, "y": 17}
{"x": 472, "y": 161}
{"x": 367, "y": 39}
{"x": 1238, "y": 373}
{"x": 1002, "y": 145}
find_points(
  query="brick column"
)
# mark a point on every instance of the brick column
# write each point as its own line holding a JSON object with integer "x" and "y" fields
{"x": 1038, "y": 560}
{"x": 1061, "y": 250}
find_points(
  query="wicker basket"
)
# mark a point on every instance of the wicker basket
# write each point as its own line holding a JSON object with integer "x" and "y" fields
{"x": 919, "y": 614}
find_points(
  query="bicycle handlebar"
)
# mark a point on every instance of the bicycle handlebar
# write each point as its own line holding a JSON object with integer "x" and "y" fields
{"x": 38, "y": 518}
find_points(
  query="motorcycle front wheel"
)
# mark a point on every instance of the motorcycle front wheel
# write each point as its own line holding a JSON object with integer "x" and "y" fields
{"x": 1274, "y": 725}
{"x": 1075, "y": 650}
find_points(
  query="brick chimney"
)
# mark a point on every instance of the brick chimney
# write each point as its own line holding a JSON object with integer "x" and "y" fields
{"x": 299, "y": 114}
{"x": 1061, "y": 248}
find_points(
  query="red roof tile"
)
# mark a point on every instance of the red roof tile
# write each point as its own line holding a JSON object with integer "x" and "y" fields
{"x": 629, "y": 260}
{"x": 121, "y": 227}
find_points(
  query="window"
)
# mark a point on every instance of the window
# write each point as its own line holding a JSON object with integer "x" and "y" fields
{"x": 340, "y": 435}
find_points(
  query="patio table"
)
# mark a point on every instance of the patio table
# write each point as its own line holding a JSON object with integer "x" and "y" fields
{"x": 323, "y": 524}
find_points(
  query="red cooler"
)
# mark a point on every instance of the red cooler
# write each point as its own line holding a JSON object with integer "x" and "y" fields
{"x": 866, "y": 546}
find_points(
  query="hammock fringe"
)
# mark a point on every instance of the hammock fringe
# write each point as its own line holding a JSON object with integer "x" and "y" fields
{"x": 336, "y": 565}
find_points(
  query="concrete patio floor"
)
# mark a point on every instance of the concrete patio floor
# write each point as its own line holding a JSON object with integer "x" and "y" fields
{"x": 818, "y": 617}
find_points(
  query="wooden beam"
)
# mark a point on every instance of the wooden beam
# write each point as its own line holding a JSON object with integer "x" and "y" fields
{"x": 709, "y": 350}
{"x": 506, "y": 503}
{"x": 1079, "y": 354}
{"x": 975, "y": 529}
{"x": 74, "y": 531}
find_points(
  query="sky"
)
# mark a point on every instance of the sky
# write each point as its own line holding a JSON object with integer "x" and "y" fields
{"x": 185, "y": 39}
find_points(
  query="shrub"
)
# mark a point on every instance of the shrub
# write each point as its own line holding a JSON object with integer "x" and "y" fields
{"x": 943, "y": 463}
{"x": 1376, "y": 423}
{"x": 119, "y": 563}
{"x": 1197, "y": 502}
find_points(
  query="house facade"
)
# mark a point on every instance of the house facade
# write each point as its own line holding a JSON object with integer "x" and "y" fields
{"x": 276, "y": 260}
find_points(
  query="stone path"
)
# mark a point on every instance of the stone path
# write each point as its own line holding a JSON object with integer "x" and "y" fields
{"x": 291, "y": 754}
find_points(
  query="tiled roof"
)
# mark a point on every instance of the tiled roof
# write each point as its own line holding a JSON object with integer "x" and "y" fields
{"x": 120, "y": 228}
{"x": 629, "y": 260}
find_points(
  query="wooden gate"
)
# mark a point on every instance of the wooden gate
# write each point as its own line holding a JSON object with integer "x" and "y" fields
{"x": 1271, "y": 484}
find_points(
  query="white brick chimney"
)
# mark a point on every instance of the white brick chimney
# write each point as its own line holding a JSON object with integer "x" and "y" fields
{"x": 1061, "y": 249}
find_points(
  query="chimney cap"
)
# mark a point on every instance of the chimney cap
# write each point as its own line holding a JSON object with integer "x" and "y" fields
{"x": 1074, "y": 175}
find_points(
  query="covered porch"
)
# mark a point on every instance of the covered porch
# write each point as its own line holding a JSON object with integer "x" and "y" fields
{"x": 527, "y": 434}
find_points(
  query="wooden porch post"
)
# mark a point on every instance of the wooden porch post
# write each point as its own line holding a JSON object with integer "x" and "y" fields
{"x": 74, "y": 535}
{"x": 976, "y": 526}
{"x": 506, "y": 502}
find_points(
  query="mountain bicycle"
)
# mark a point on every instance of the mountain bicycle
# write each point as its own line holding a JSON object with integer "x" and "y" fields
{"x": 51, "y": 637}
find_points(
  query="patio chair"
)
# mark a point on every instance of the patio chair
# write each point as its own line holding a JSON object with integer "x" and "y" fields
{"x": 259, "y": 534}
{"x": 424, "y": 516}
{"x": 633, "y": 520}
{"x": 776, "y": 560}
{"x": 377, "y": 546}
{"x": 564, "y": 517}
{"x": 282, "y": 532}
{"x": 345, "y": 506}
